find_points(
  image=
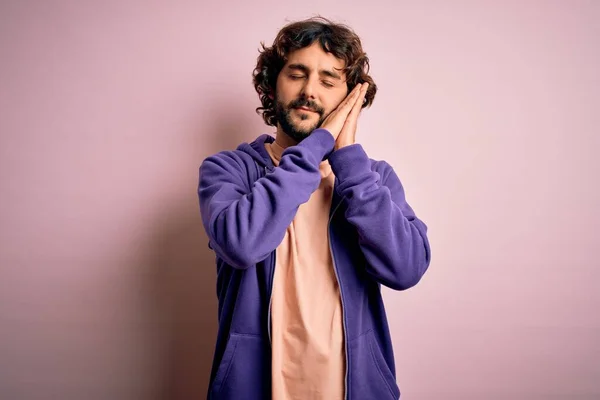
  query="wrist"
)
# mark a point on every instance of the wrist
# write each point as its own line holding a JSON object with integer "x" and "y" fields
{"x": 340, "y": 145}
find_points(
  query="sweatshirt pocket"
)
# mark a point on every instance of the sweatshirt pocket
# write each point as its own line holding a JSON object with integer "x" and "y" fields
{"x": 370, "y": 376}
{"x": 244, "y": 371}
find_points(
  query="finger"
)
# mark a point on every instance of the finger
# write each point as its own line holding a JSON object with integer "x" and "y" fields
{"x": 351, "y": 97}
{"x": 352, "y": 119}
{"x": 355, "y": 89}
{"x": 346, "y": 106}
{"x": 359, "y": 101}
{"x": 343, "y": 109}
{"x": 352, "y": 115}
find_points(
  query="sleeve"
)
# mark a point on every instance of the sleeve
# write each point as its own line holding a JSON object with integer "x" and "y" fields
{"x": 393, "y": 240}
{"x": 245, "y": 226}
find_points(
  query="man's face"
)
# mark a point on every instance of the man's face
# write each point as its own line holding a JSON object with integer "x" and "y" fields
{"x": 309, "y": 87}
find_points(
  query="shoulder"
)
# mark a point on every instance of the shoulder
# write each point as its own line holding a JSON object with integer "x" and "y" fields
{"x": 229, "y": 166}
{"x": 228, "y": 159}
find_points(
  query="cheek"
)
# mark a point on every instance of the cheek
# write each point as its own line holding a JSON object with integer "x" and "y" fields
{"x": 286, "y": 91}
{"x": 279, "y": 89}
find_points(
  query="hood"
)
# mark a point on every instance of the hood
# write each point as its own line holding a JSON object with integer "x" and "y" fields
{"x": 257, "y": 150}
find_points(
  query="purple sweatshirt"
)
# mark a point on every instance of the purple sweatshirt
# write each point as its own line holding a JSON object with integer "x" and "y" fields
{"x": 375, "y": 239}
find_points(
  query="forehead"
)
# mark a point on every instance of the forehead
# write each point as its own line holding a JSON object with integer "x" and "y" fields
{"x": 315, "y": 58}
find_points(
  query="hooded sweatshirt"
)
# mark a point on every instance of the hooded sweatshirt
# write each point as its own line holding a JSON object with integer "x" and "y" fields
{"x": 375, "y": 239}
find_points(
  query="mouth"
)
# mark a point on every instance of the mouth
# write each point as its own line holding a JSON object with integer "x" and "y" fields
{"x": 304, "y": 109}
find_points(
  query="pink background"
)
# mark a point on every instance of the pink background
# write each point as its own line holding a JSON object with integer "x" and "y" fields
{"x": 488, "y": 111}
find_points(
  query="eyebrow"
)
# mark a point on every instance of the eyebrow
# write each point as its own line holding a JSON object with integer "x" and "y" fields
{"x": 306, "y": 70}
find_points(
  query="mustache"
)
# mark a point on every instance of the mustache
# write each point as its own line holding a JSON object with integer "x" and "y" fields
{"x": 311, "y": 105}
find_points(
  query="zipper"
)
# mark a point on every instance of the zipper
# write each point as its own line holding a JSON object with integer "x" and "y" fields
{"x": 345, "y": 327}
{"x": 270, "y": 296}
{"x": 267, "y": 170}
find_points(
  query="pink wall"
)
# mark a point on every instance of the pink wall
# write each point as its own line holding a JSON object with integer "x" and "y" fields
{"x": 489, "y": 111}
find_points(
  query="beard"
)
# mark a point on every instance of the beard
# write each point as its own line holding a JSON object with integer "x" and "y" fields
{"x": 284, "y": 117}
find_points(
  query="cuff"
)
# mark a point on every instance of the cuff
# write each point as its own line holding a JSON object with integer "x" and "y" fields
{"x": 349, "y": 160}
{"x": 320, "y": 143}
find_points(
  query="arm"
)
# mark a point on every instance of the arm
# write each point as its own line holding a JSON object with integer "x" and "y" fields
{"x": 243, "y": 226}
{"x": 392, "y": 239}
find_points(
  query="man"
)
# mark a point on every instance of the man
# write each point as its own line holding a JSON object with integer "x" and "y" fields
{"x": 306, "y": 228}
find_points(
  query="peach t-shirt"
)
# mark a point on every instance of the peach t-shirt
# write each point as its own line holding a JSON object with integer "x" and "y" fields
{"x": 306, "y": 312}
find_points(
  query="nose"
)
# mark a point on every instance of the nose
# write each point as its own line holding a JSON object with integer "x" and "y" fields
{"x": 309, "y": 88}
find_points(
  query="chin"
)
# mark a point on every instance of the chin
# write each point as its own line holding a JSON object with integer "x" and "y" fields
{"x": 303, "y": 119}
{"x": 305, "y": 131}
{"x": 298, "y": 136}
{"x": 305, "y": 126}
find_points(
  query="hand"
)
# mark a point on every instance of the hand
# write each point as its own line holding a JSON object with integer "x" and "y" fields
{"x": 347, "y": 135}
{"x": 335, "y": 121}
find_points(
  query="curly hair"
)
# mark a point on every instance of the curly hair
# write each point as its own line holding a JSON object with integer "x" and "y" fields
{"x": 335, "y": 38}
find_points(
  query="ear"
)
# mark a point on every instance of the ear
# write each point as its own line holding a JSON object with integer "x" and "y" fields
{"x": 271, "y": 96}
